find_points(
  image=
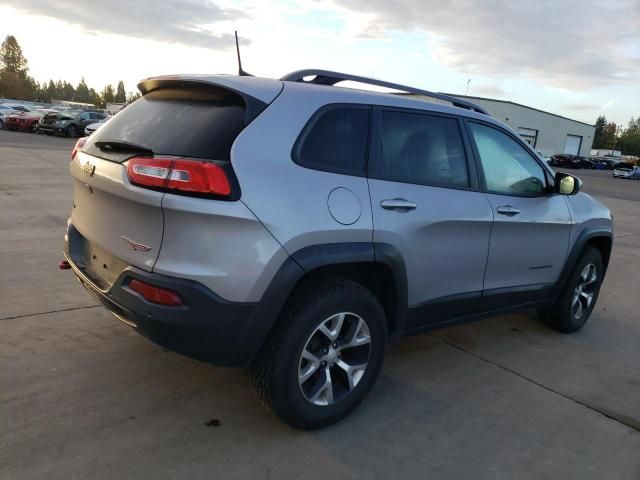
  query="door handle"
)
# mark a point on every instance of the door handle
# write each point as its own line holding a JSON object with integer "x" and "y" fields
{"x": 507, "y": 210}
{"x": 398, "y": 204}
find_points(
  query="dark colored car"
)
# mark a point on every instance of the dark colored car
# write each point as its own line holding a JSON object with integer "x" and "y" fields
{"x": 584, "y": 162}
{"x": 604, "y": 163}
{"x": 70, "y": 122}
{"x": 564, "y": 161}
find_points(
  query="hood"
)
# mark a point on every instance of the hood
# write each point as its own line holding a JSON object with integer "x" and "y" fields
{"x": 58, "y": 116}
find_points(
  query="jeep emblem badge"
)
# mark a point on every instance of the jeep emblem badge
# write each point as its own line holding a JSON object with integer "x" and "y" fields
{"x": 89, "y": 168}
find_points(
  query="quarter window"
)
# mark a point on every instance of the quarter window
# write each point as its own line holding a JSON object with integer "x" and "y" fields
{"x": 336, "y": 141}
{"x": 421, "y": 149}
{"x": 508, "y": 167}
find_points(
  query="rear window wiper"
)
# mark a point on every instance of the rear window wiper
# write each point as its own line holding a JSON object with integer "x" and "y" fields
{"x": 121, "y": 146}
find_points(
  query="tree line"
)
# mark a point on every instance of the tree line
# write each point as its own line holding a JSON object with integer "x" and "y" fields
{"x": 611, "y": 136}
{"x": 16, "y": 83}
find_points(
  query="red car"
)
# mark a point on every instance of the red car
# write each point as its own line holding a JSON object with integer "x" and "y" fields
{"x": 27, "y": 121}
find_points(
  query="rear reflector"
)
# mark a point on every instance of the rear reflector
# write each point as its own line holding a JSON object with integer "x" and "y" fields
{"x": 155, "y": 294}
{"x": 79, "y": 144}
{"x": 179, "y": 174}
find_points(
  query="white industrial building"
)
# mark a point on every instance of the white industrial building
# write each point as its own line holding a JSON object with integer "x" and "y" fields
{"x": 546, "y": 132}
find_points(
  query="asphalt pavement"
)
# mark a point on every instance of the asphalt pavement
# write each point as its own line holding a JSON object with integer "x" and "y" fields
{"x": 84, "y": 396}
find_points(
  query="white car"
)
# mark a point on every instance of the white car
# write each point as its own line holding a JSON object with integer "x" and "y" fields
{"x": 89, "y": 129}
{"x": 626, "y": 171}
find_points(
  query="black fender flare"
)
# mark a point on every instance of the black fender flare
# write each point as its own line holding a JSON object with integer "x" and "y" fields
{"x": 306, "y": 260}
{"x": 583, "y": 238}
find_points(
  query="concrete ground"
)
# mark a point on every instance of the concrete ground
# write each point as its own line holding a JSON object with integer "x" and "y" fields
{"x": 84, "y": 396}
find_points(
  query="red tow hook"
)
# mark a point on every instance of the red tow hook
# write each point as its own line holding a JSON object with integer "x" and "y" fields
{"x": 64, "y": 265}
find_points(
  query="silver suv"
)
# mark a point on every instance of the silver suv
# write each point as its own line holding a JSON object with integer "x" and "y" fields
{"x": 297, "y": 227}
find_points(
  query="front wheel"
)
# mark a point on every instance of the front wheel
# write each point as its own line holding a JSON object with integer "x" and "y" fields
{"x": 72, "y": 131}
{"x": 579, "y": 296}
{"x": 324, "y": 354}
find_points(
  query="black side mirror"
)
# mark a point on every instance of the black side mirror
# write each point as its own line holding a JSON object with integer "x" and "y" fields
{"x": 566, "y": 184}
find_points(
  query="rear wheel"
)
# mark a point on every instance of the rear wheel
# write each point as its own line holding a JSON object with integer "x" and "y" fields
{"x": 324, "y": 354}
{"x": 580, "y": 293}
{"x": 71, "y": 131}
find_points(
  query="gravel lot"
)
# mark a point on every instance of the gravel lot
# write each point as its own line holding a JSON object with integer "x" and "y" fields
{"x": 84, "y": 396}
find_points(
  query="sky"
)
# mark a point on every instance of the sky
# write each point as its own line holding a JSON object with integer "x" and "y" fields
{"x": 577, "y": 58}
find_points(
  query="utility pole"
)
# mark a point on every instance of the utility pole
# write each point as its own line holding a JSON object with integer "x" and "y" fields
{"x": 468, "y": 83}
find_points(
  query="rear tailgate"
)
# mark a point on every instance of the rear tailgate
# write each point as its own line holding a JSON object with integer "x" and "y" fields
{"x": 113, "y": 217}
{"x": 119, "y": 223}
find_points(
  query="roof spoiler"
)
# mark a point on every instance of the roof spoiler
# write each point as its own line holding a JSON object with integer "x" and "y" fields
{"x": 327, "y": 77}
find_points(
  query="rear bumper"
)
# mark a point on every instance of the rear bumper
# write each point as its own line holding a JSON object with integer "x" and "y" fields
{"x": 205, "y": 327}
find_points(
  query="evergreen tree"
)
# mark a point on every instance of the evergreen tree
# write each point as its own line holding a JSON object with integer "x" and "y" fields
{"x": 14, "y": 72}
{"x": 121, "y": 95}
{"x": 82, "y": 92}
{"x": 107, "y": 94}
{"x": 598, "y": 138}
{"x": 11, "y": 58}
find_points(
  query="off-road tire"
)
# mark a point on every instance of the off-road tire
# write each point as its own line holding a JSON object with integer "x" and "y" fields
{"x": 561, "y": 316}
{"x": 275, "y": 370}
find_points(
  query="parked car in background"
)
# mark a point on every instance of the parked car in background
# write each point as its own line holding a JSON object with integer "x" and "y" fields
{"x": 70, "y": 122}
{"x": 17, "y": 106}
{"x": 26, "y": 121}
{"x": 584, "y": 162}
{"x": 564, "y": 161}
{"x": 604, "y": 163}
{"x": 93, "y": 127}
{"x": 626, "y": 170}
{"x": 4, "y": 111}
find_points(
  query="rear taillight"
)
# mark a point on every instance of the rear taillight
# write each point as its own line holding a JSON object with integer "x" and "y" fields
{"x": 157, "y": 295}
{"x": 76, "y": 148}
{"x": 179, "y": 174}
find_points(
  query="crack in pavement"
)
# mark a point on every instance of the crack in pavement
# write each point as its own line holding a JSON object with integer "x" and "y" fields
{"x": 51, "y": 311}
{"x": 629, "y": 422}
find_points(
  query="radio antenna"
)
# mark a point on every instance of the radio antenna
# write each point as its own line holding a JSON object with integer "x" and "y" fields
{"x": 241, "y": 72}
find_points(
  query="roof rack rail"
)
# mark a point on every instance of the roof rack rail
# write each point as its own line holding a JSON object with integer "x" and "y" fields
{"x": 327, "y": 77}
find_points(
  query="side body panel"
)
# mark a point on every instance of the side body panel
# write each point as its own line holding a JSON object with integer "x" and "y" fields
{"x": 219, "y": 244}
{"x": 529, "y": 248}
{"x": 444, "y": 241}
{"x": 291, "y": 200}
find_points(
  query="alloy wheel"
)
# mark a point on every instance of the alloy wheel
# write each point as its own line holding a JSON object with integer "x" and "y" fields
{"x": 584, "y": 291}
{"x": 334, "y": 358}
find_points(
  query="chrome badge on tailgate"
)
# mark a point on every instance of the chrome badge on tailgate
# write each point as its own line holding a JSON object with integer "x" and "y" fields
{"x": 135, "y": 245}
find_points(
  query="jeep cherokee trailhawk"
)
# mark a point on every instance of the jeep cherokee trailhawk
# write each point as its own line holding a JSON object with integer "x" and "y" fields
{"x": 297, "y": 227}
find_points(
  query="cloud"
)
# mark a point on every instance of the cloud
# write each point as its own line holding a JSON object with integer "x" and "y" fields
{"x": 487, "y": 89}
{"x": 607, "y": 105}
{"x": 582, "y": 107}
{"x": 565, "y": 44}
{"x": 185, "y": 22}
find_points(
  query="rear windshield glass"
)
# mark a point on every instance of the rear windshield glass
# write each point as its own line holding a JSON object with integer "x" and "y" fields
{"x": 194, "y": 122}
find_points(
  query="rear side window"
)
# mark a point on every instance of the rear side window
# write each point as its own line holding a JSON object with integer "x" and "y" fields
{"x": 336, "y": 140}
{"x": 189, "y": 122}
{"x": 421, "y": 149}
